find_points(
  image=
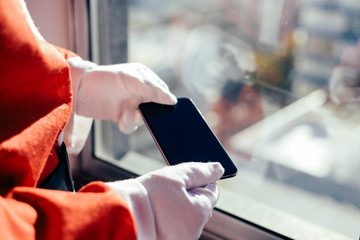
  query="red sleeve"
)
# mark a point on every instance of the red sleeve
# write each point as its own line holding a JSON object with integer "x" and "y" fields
{"x": 96, "y": 212}
{"x": 35, "y": 99}
{"x": 66, "y": 53}
{"x": 35, "y": 105}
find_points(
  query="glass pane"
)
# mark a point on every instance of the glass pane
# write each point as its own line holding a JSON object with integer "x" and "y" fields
{"x": 279, "y": 83}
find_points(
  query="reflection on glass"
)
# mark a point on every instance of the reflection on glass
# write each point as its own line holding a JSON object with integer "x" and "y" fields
{"x": 279, "y": 83}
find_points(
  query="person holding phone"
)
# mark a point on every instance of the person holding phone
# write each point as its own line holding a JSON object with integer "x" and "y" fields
{"x": 42, "y": 85}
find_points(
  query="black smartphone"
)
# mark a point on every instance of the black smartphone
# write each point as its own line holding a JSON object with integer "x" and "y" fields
{"x": 182, "y": 135}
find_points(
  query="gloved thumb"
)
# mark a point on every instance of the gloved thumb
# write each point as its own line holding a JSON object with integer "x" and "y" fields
{"x": 130, "y": 121}
{"x": 200, "y": 174}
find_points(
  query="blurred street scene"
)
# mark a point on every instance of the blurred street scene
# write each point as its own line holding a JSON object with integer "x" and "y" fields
{"x": 277, "y": 81}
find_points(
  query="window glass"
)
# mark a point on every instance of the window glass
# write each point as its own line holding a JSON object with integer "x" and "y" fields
{"x": 279, "y": 83}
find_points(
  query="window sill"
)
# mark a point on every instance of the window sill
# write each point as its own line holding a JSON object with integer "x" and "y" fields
{"x": 237, "y": 216}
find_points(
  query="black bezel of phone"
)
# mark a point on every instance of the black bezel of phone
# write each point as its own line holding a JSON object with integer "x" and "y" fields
{"x": 176, "y": 120}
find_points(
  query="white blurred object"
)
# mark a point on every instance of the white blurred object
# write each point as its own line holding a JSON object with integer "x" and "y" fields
{"x": 270, "y": 30}
{"x": 212, "y": 57}
{"x": 300, "y": 150}
{"x": 344, "y": 83}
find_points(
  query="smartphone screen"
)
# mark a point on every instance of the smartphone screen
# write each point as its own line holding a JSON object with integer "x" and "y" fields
{"x": 182, "y": 135}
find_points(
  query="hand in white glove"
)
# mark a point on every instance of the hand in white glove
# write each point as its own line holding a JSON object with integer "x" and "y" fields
{"x": 113, "y": 92}
{"x": 173, "y": 202}
{"x": 345, "y": 79}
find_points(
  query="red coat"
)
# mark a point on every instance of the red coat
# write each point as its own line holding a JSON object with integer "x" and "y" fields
{"x": 35, "y": 104}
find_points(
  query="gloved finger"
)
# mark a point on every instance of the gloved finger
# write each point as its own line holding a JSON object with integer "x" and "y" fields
{"x": 128, "y": 129}
{"x": 138, "y": 119}
{"x": 128, "y": 122}
{"x": 130, "y": 118}
{"x": 159, "y": 95}
{"x": 146, "y": 84}
{"x": 201, "y": 174}
{"x": 207, "y": 196}
{"x": 133, "y": 117}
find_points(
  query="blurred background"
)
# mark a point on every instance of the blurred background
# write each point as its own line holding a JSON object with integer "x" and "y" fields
{"x": 277, "y": 81}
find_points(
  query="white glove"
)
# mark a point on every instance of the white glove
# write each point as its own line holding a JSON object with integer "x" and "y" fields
{"x": 174, "y": 202}
{"x": 344, "y": 83}
{"x": 113, "y": 92}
